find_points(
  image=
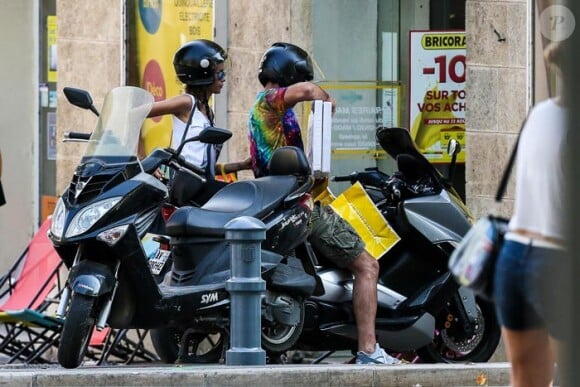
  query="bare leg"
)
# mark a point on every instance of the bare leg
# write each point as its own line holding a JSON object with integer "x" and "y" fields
{"x": 559, "y": 349}
{"x": 531, "y": 357}
{"x": 366, "y": 271}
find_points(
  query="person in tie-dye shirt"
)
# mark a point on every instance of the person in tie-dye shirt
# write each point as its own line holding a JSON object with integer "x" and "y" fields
{"x": 273, "y": 124}
{"x": 285, "y": 72}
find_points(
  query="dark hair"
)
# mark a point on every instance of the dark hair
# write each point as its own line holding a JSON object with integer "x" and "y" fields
{"x": 557, "y": 54}
{"x": 201, "y": 99}
{"x": 285, "y": 64}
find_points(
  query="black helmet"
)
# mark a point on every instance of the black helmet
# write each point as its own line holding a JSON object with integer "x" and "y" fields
{"x": 285, "y": 64}
{"x": 195, "y": 62}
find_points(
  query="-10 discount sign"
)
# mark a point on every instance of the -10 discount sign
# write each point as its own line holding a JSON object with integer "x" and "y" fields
{"x": 437, "y": 91}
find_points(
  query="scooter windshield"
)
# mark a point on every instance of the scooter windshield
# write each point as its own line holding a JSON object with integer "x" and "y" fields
{"x": 398, "y": 141}
{"x": 116, "y": 136}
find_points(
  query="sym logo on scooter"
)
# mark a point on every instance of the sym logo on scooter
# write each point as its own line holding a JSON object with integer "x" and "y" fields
{"x": 209, "y": 297}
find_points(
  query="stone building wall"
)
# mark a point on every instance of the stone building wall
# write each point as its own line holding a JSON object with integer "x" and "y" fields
{"x": 90, "y": 56}
{"x": 499, "y": 92}
{"x": 90, "y": 51}
{"x": 90, "y": 47}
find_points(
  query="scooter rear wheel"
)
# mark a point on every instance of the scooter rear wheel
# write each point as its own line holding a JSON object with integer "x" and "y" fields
{"x": 279, "y": 338}
{"x": 446, "y": 348}
{"x": 77, "y": 331}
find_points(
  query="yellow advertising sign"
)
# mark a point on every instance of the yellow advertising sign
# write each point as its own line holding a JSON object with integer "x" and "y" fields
{"x": 51, "y": 74}
{"x": 437, "y": 97}
{"x": 445, "y": 41}
{"x": 161, "y": 28}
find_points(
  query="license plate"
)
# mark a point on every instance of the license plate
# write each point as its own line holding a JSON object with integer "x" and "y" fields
{"x": 158, "y": 261}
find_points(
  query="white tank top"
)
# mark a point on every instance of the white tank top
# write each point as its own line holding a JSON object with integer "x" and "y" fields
{"x": 194, "y": 152}
{"x": 539, "y": 204}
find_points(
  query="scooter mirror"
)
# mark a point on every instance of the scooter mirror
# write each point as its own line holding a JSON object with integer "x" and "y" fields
{"x": 80, "y": 98}
{"x": 212, "y": 135}
{"x": 453, "y": 148}
{"x": 209, "y": 135}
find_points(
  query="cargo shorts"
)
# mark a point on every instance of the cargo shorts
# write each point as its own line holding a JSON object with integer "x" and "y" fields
{"x": 333, "y": 237}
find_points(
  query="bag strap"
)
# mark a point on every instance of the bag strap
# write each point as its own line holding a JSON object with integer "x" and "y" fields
{"x": 506, "y": 174}
{"x": 187, "y": 125}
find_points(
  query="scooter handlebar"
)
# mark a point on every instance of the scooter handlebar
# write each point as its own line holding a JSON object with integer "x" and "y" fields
{"x": 180, "y": 160}
{"x": 369, "y": 177}
{"x": 76, "y": 136}
{"x": 351, "y": 178}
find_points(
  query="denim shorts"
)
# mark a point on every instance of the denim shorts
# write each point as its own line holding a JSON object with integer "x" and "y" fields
{"x": 333, "y": 237}
{"x": 532, "y": 288}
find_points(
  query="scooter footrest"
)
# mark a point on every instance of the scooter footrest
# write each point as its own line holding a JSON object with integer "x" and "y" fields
{"x": 292, "y": 280}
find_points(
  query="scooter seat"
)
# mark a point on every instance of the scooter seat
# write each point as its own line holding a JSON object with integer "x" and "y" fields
{"x": 245, "y": 198}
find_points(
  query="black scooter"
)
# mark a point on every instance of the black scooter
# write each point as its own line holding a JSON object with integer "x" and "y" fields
{"x": 112, "y": 201}
{"x": 421, "y": 309}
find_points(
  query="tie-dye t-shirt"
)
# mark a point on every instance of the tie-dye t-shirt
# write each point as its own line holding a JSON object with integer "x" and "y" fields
{"x": 272, "y": 125}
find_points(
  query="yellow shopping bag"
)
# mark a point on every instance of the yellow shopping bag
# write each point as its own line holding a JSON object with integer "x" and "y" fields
{"x": 321, "y": 193}
{"x": 357, "y": 208}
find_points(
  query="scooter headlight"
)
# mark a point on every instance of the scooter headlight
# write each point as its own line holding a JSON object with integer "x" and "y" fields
{"x": 89, "y": 215}
{"x": 58, "y": 218}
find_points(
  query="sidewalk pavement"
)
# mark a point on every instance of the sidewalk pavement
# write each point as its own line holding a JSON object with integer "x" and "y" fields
{"x": 407, "y": 375}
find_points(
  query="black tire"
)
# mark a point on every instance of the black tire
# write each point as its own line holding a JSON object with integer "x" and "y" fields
{"x": 277, "y": 339}
{"x": 478, "y": 348}
{"x": 77, "y": 331}
{"x": 203, "y": 347}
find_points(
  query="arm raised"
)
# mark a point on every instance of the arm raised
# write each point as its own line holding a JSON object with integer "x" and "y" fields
{"x": 179, "y": 106}
{"x": 306, "y": 91}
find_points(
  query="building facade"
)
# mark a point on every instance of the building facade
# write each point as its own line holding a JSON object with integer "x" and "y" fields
{"x": 363, "y": 54}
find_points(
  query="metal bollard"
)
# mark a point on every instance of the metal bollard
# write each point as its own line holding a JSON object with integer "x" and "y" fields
{"x": 245, "y": 286}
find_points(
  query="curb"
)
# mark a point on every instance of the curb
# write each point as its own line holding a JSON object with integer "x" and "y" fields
{"x": 408, "y": 375}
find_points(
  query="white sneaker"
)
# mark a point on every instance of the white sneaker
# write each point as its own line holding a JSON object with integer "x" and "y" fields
{"x": 379, "y": 356}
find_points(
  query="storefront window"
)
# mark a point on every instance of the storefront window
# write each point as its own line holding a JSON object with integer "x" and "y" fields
{"x": 367, "y": 68}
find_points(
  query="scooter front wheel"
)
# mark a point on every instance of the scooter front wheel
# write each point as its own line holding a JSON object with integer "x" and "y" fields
{"x": 77, "y": 331}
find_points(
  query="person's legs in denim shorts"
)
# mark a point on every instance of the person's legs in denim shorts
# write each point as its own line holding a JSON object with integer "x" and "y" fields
{"x": 529, "y": 281}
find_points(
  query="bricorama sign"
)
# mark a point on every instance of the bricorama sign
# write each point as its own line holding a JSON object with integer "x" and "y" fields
{"x": 431, "y": 41}
{"x": 162, "y": 27}
{"x": 437, "y": 92}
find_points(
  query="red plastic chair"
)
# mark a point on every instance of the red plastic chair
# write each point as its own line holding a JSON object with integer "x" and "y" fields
{"x": 38, "y": 265}
{"x": 29, "y": 295}
{"x": 27, "y": 291}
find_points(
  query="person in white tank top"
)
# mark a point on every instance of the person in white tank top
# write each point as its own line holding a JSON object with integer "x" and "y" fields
{"x": 200, "y": 65}
{"x": 532, "y": 276}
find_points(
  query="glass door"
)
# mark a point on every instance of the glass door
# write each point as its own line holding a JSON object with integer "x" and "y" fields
{"x": 47, "y": 115}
